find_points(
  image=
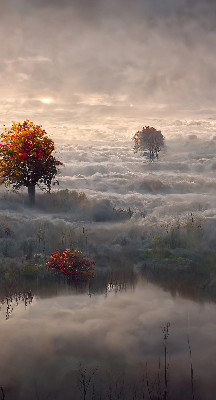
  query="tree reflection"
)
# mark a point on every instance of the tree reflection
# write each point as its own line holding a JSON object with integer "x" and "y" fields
{"x": 121, "y": 280}
{"x": 8, "y": 303}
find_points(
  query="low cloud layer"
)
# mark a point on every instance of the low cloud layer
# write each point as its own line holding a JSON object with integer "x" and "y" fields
{"x": 121, "y": 198}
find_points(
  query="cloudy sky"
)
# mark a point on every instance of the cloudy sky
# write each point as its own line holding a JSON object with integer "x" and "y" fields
{"x": 87, "y": 62}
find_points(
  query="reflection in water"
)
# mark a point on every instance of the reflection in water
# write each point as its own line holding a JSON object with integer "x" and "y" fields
{"x": 185, "y": 282}
{"x": 13, "y": 300}
{"x": 75, "y": 346}
{"x": 119, "y": 280}
{"x": 165, "y": 331}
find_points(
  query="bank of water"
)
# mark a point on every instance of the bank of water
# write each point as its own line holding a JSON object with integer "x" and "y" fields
{"x": 108, "y": 343}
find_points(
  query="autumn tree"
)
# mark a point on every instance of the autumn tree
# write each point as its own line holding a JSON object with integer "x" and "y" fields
{"x": 148, "y": 139}
{"x": 26, "y": 158}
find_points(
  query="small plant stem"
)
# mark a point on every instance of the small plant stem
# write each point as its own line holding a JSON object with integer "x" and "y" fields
{"x": 165, "y": 331}
{"x": 191, "y": 365}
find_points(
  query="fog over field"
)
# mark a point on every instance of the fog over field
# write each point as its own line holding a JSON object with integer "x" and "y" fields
{"x": 93, "y": 73}
{"x": 137, "y": 198}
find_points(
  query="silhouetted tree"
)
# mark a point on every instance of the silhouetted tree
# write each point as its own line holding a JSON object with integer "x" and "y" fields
{"x": 26, "y": 158}
{"x": 148, "y": 139}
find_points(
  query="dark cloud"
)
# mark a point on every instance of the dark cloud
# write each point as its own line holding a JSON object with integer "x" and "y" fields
{"x": 83, "y": 9}
{"x": 148, "y": 8}
{"x": 65, "y": 3}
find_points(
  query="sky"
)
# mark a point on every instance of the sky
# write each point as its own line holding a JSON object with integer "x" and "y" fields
{"x": 106, "y": 63}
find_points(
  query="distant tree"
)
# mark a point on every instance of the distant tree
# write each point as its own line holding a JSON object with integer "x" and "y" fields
{"x": 26, "y": 158}
{"x": 148, "y": 139}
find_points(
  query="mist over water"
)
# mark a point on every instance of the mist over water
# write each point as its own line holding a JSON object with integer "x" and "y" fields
{"x": 119, "y": 334}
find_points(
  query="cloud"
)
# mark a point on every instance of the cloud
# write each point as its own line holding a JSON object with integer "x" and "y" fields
{"x": 156, "y": 56}
{"x": 38, "y": 58}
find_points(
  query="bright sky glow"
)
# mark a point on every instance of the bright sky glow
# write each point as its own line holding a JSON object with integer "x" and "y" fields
{"x": 46, "y": 101}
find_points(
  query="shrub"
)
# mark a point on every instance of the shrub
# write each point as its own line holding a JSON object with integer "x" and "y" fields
{"x": 72, "y": 264}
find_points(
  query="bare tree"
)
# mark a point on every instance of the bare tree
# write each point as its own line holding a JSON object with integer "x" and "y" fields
{"x": 148, "y": 139}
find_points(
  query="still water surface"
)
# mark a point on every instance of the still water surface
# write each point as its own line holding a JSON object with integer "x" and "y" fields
{"x": 115, "y": 339}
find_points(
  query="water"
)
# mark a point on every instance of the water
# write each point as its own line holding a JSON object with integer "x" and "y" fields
{"x": 114, "y": 338}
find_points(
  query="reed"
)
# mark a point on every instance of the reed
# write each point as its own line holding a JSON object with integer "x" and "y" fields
{"x": 191, "y": 365}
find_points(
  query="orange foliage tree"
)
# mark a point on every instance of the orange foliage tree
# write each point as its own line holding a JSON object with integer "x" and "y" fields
{"x": 26, "y": 158}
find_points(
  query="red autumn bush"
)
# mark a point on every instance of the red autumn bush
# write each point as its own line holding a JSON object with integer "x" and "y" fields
{"x": 72, "y": 264}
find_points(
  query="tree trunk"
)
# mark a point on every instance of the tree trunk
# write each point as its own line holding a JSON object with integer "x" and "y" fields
{"x": 31, "y": 193}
